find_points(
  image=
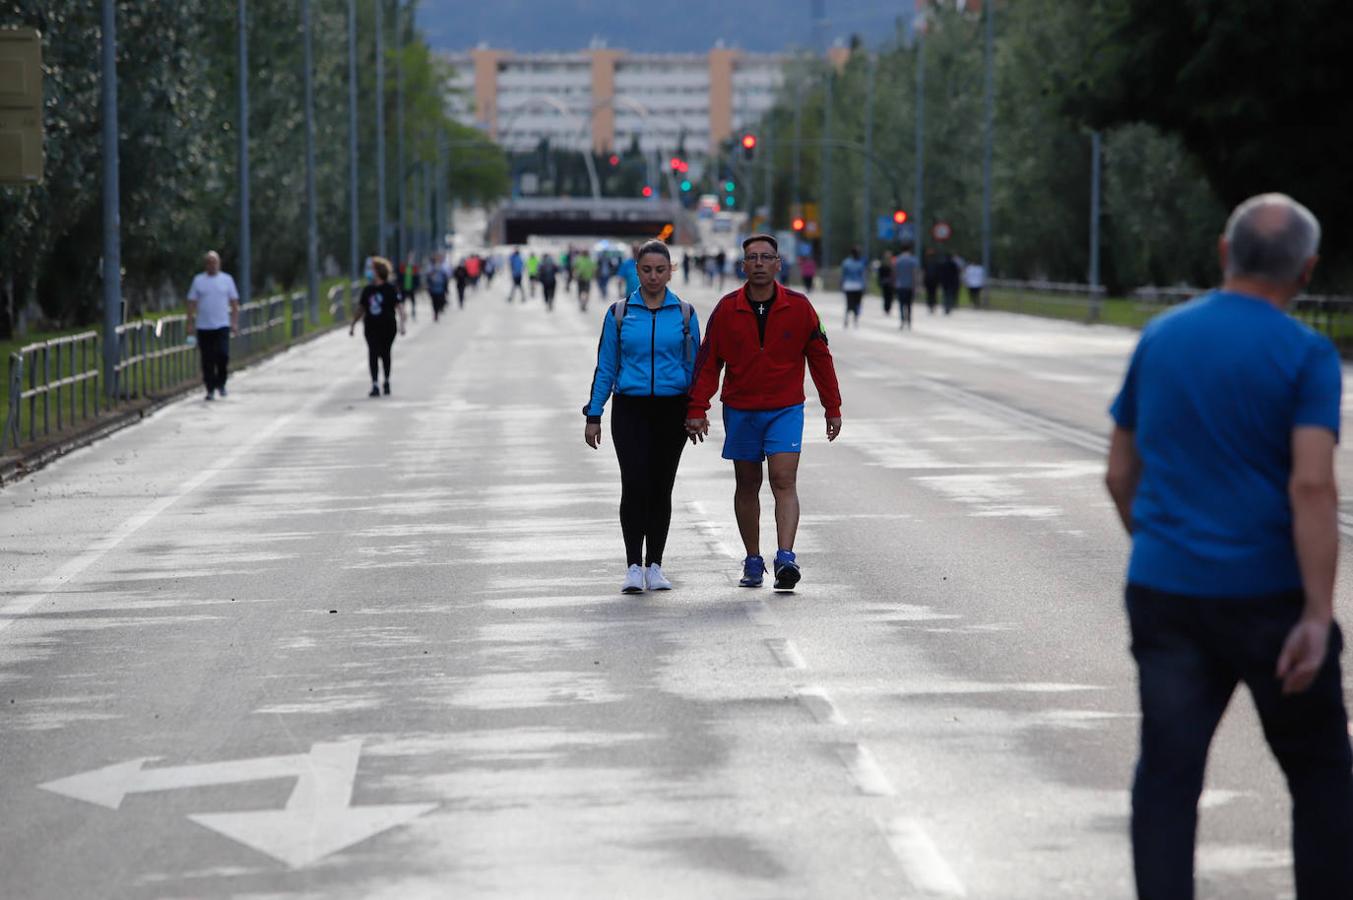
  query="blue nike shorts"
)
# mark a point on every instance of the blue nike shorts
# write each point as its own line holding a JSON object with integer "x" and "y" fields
{"x": 754, "y": 434}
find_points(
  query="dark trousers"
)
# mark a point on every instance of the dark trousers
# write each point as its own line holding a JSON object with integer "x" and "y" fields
{"x": 649, "y": 435}
{"x": 853, "y": 301}
{"x": 379, "y": 342}
{"x": 213, "y": 344}
{"x": 904, "y": 300}
{"x": 887, "y": 290}
{"x": 931, "y": 289}
{"x": 1191, "y": 653}
{"x": 950, "y": 292}
{"x": 547, "y": 287}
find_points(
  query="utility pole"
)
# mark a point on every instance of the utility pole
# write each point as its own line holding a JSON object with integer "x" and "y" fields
{"x": 311, "y": 217}
{"x": 245, "y": 268}
{"x": 798, "y": 139}
{"x": 382, "y": 228}
{"x": 824, "y": 214}
{"x": 919, "y": 228}
{"x": 401, "y": 244}
{"x": 112, "y": 205}
{"x": 989, "y": 10}
{"x": 354, "y": 256}
{"x": 869, "y": 152}
{"x": 1095, "y": 293}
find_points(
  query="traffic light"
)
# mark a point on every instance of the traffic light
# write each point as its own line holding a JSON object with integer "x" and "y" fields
{"x": 797, "y": 224}
{"x": 729, "y": 201}
{"x": 648, "y": 190}
{"x": 680, "y": 165}
{"x": 899, "y": 216}
{"x": 686, "y": 185}
{"x": 729, "y": 186}
{"x": 748, "y": 146}
{"x": 614, "y": 160}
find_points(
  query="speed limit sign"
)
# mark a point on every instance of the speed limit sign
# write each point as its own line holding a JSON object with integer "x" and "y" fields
{"x": 941, "y": 231}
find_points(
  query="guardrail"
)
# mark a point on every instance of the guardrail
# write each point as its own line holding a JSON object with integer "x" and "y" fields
{"x": 1330, "y": 314}
{"x": 58, "y": 383}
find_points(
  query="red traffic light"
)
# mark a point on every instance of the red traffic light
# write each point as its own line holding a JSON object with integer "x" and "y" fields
{"x": 749, "y": 142}
{"x": 614, "y": 160}
{"x": 900, "y": 216}
{"x": 648, "y": 190}
{"x": 676, "y": 163}
{"x": 798, "y": 223}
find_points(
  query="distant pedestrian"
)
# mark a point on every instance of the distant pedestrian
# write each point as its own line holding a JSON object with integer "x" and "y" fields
{"x": 931, "y": 279}
{"x": 490, "y": 269}
{"x": 808, "y": 271}
{"x": 462, "y": 278}
{"x": 1221, "y": 466}
{"x": 548, "y": 273}
{"x": 886, "y": 286}
{"x": 605, "y": 271}
{"x": 974, "y": 279}
{"x": 948, "y": 273}
{"x": 721, "y": 265}
{"x": 517, "y": 266}
{"x": 644, "y": 360}
{"x": 382, "y": 315}
{"x": 686, "y": 267}
{"x": 783, "y": 277}
{"x": 532, "y": 267}
{"x": 213, "y": 316}
{"x": 584, "y": 270}
{"x": 408, "y": 285}
{"x": 760, "y": 337}
{"x": 437, "y": 285}
{"x": 629, "y": 271}
{"x": 473, "y": 267}
{"x": 905, "y": 276}
{"x": 852, "y": 284}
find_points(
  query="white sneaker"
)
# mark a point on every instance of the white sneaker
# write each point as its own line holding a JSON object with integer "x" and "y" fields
{"x": 634, "y": 581}
{"x": 656, "y": 580}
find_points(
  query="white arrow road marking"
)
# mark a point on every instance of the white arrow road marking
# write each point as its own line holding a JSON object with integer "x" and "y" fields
{"x": 318, "y": 819}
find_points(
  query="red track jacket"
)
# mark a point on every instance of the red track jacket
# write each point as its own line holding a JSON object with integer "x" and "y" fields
{"x": 769, "y": 377}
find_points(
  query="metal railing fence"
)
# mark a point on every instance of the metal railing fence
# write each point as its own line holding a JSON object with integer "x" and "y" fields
{"x": 58, "y": 383}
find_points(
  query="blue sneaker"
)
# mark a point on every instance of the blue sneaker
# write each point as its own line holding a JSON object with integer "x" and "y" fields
{"x": 786, "y": 571}
{"x": 753, "y": 571}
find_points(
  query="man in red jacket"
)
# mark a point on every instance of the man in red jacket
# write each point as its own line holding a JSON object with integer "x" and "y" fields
{"x": 764, "y": 333}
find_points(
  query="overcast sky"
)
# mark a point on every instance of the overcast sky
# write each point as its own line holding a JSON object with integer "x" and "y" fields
{"x": 679, "y": 26}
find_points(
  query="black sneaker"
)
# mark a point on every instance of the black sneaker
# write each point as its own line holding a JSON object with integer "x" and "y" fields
{"x": 387, "y": 387}
{"x": 375, "y": 391}
{"x": 787, "y": 572}
{"x": 221, "y": 390}
{"x": 753, "y": 571}
{"x": 211, "y": 395}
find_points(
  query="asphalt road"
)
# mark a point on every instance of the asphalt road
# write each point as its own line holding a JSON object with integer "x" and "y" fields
{"x": 302, "y": 642}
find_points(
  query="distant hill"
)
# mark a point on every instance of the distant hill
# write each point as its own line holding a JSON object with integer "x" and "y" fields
{"x": 687, "y": 26}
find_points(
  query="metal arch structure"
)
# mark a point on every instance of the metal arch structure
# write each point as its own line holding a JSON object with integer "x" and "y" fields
{"x": 550, "y": 101}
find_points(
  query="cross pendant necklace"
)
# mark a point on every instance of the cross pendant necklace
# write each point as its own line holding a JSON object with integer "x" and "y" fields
{"x": 761, "y": 308}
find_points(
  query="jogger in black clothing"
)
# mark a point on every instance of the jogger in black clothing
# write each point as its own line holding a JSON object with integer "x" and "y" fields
{"x": 379, "y": 306}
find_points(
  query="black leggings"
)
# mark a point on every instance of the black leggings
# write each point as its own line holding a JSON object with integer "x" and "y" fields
{"x": 378, "y": 344}
{"x": 649, "y": 435}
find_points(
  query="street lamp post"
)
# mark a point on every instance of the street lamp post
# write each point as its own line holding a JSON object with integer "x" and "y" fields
{"x": 112, "y": 204}
{"x": 1095, "y": 293}
{"x": 354, "y": 257}
{"x": 381, "y": 227}
{"x": 869, "y": 149}
{"x": 245, "y": 269}
{"x": 311, "y": 218}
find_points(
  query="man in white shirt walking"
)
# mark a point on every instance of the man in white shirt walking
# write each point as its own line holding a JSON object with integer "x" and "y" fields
{"x": 974, "y": 279}
{"x": 214, "y": 315}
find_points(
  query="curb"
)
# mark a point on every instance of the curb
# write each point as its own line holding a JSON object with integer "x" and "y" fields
{"x": 22, "y": 463}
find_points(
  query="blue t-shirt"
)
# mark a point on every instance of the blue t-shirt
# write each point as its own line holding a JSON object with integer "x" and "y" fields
{"x": 629, "y": 270}
{"x": 852, "y": 274}
{"x": 1213, "y": 392}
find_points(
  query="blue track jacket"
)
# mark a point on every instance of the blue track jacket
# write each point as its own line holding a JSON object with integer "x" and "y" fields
{"x": 646, "y": 358}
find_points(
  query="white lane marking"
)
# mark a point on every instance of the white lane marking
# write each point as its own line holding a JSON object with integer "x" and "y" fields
{"x": 318, "y": 820}
{"x": 925, "y": 866}
{"x": 819, "y": 704}
{"x": 865, "y": 771}
{"x": 21, "y": 606}
{"x": 786, "y": 654}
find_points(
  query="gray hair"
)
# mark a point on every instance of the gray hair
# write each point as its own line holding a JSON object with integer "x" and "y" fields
{"x": 1271, "y": 236}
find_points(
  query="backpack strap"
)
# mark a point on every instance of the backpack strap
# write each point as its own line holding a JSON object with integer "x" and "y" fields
{"x": 687, "y": 351}
{"x": 618, "y": 309}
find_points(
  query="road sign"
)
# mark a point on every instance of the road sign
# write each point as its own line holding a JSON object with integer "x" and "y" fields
{"x": 319, "y": 818}
{"x": 887, "y": 228}
{"x": 811, "y": 228}
{"x": 21, "y": 145}
{"x": 941, "y": 231}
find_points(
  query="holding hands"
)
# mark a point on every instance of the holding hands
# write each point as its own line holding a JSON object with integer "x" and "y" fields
{"x": 696, "y": 429}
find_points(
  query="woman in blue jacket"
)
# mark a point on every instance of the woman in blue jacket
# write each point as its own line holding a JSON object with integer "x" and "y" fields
{"x": 645, "y": 359}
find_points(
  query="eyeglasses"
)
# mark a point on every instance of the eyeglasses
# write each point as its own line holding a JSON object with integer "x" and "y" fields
{"x": 761, "y": 257}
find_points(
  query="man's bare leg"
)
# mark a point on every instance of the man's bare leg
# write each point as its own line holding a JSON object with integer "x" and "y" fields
{"x": 784, "y": 484}
{"x": 747, "y": 504}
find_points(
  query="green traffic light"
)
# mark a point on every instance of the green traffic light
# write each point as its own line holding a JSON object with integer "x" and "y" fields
{"x": 685, "y": 185}
{"x": 728, "y": 186}
{"x": 728, "y": 201}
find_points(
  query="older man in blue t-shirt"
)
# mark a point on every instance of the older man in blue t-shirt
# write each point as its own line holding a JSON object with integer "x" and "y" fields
{"x": 1222, "y": 470}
